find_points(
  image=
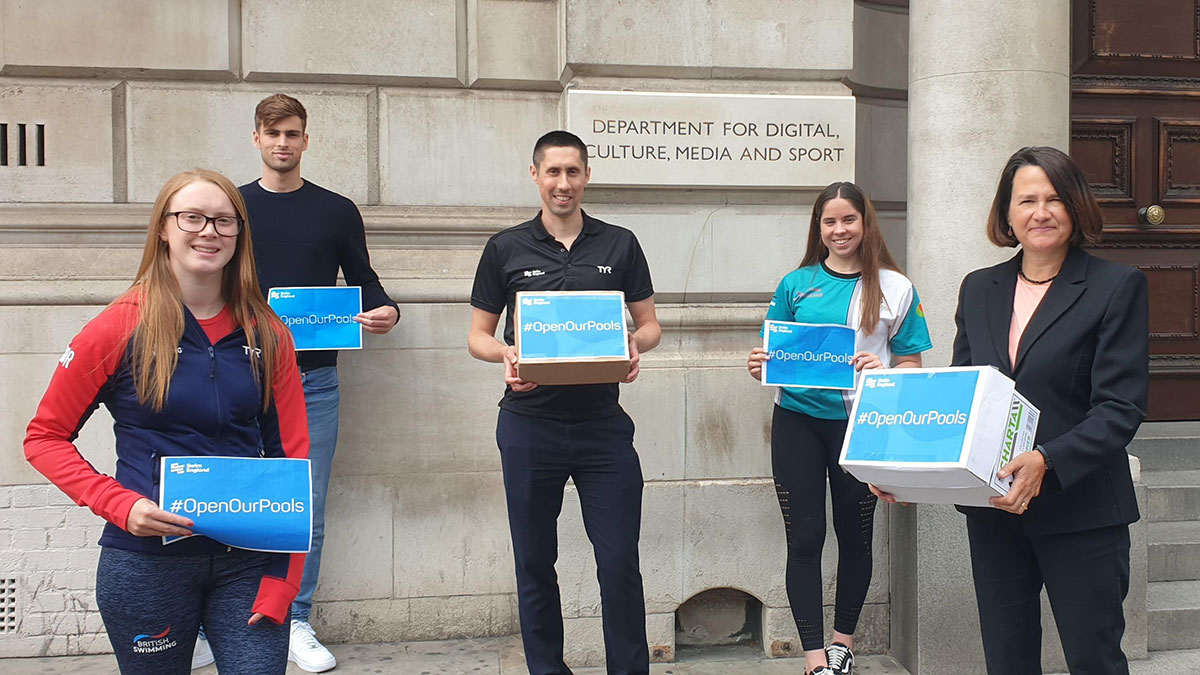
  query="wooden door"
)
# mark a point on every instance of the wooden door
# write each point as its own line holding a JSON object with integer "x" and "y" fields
{"x": 1135, "y": 130}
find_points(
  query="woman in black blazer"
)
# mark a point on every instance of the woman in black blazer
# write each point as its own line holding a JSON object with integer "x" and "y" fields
{"x": 1072, "y": 331}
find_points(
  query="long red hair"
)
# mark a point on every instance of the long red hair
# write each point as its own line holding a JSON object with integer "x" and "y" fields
{"x": 155, "y": 337}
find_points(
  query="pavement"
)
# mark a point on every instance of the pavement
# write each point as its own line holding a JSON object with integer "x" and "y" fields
{"x": 502, "y": 656}
{"x": 480, "y": 656}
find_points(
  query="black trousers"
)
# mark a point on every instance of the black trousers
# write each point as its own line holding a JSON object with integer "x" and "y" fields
{"x": 537, "y": 456}
{"x": 1086, "y": 575}
{"x": 804, "y": 451}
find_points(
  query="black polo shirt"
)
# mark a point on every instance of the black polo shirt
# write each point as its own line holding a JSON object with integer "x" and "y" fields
{"x": 526, "y": 258}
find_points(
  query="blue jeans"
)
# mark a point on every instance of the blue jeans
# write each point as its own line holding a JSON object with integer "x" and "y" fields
{"x": 321, "y": 401}
{"x": 152, "y": 605}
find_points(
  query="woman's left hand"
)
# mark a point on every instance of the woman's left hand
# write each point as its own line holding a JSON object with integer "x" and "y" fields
{"x": 254, "y": 618}
{"x": 866, "y": 361}
{"x": 1027, "y": 469}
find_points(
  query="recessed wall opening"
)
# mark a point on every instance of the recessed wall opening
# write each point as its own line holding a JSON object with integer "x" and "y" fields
{"x": 724, "y": 618}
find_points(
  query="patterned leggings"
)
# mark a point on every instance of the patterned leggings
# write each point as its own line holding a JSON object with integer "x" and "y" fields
{"x": 153, "y": 604}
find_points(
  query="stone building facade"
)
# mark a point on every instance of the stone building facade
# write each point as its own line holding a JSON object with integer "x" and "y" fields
{"x": 424, "y": 112}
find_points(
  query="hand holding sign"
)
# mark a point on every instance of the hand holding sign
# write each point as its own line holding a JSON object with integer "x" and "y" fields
{"x": 866, "y": 361}
{"x": 379, "y": 320}
{"x": 147, "y": 520}
{"x": 754, "y": 364}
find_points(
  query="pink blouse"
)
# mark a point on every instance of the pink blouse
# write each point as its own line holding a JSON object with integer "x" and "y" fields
{"x": 1025, "y": 302}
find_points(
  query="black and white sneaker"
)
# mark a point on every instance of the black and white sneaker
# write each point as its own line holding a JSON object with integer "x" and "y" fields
{"x": 820, "y": 670}
{"x": 841, "y": 659}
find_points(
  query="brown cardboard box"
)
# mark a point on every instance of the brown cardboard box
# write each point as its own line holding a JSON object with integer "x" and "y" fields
{"x": 571, "y": 337}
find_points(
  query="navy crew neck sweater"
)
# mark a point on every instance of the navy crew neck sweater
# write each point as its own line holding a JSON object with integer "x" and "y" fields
{"x": 302, "y": 238}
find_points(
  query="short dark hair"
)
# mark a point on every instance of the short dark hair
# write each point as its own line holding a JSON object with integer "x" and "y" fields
{"x": 559, "y": 139}
{"x": 278, "y": 107}
{"x": 1069, "y": 182}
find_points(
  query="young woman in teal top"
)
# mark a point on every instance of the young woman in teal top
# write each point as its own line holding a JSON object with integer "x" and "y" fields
{"x": 848, "y": 277}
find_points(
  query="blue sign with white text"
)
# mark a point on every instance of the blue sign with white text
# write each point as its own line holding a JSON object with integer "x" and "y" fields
{"x": 572, "y": 325}
{"x": 912, "y": 417}
{"x": 808, "y": 355}
{"x": 254, "y": 503}
{"x": 320, "y": 317}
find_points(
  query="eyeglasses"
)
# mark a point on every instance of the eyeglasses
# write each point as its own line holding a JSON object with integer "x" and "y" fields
{"x": 190, "y": 221}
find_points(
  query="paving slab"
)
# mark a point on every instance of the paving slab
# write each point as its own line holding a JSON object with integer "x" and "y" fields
{"x": 482, "y": 656}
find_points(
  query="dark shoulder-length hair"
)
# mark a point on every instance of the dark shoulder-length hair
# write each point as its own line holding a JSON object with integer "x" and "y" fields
{"x": 1069, "y": 182}
{"x": 873, "y": 251}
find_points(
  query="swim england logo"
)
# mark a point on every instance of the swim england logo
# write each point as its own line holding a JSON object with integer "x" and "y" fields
{"x": 152, "y": 644}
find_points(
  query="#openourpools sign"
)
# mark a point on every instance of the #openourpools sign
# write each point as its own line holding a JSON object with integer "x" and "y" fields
{"x": 254, "y": 503}
{"x": 808, "y": 355}
{"x": 571, "y": 337}
{"x": 319, "y": 317}
{"x": 937, "y": 435}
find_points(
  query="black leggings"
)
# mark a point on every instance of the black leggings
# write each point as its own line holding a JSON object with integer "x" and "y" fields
{"x": 803, "y": 449}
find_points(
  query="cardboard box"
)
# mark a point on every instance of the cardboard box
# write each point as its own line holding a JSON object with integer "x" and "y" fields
{"x": 571, "y": 337}
{"x": 937, "y": 435}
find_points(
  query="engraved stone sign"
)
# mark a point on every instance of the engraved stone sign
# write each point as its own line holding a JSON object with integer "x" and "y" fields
{"x": 714, "y": 140}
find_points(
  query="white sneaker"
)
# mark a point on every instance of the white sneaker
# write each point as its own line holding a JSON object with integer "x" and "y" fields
{"x": 841, "y": 659}
{"x": 203, "y": 655}
{"x": 306, "y": 651}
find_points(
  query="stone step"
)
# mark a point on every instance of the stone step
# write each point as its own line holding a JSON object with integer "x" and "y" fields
{"x": 1172, "y": 495}
{"x": 1167, "y": 445}
{"x": 1173, "y": 615}
{"x": 1173, "y": 550}
{"x": 1175, "y": 662}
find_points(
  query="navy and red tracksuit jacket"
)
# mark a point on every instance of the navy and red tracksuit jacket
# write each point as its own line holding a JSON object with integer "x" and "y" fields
{"x": 213, "y": 407}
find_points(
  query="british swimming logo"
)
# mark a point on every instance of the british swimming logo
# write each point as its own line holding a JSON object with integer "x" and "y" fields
{"x": 152, "y": 644}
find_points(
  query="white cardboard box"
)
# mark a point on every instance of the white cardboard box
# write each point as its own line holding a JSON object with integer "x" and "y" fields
{"x": 937, "y": 435}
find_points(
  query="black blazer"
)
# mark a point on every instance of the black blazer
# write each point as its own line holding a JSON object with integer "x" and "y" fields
{"x": 1083, "y": 361}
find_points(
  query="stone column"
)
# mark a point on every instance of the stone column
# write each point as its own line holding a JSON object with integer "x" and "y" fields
{"x": 985, "y": 78}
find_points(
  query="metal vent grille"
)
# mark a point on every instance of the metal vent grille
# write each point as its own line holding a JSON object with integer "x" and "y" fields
{"x": 26, "y": 148}
{"x": 8, "y": 605}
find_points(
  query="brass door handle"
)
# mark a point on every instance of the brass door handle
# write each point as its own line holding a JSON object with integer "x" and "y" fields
{"x": 1152, "y": 215}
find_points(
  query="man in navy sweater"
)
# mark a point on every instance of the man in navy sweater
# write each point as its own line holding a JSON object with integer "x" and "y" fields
{"x": 303, "y": 234}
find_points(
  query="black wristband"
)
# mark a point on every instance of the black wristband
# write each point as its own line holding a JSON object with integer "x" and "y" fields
{"x": 1045, "y": 457}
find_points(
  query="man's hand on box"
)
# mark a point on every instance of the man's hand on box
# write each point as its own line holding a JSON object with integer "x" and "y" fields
{"x": 510, "y": 371}
{"x": 634, "y": 360}
{"x": 1027, "y": 469}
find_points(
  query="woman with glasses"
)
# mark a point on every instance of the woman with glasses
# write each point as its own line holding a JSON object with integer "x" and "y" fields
{"x": 189, "y": 361}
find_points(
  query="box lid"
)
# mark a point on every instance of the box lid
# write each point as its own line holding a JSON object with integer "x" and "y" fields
{"x": 915, "y": 416}
{"x": 570, "y": 325}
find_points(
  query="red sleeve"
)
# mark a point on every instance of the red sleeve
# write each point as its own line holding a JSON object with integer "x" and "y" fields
{"x": 275, "y": 594}
{"x": 71, "y": 397}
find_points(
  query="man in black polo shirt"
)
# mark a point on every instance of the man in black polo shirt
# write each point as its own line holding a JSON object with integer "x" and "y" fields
{"x": 548, "y": 433}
